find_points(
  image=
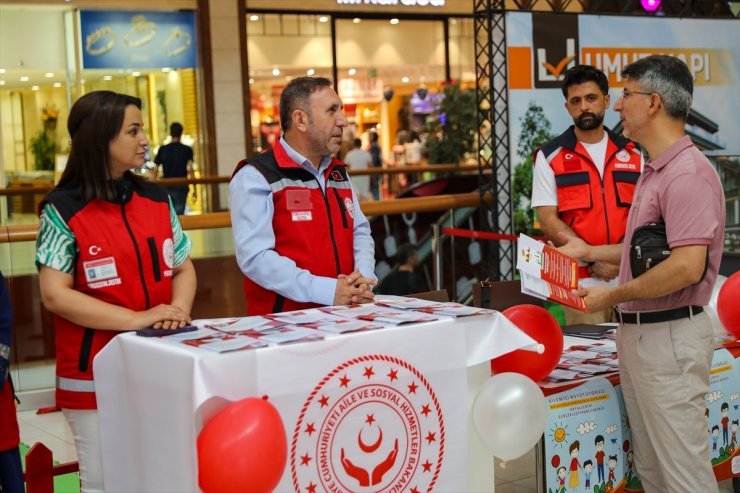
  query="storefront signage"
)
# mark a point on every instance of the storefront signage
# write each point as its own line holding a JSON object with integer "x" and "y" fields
{"x": 386, "y": 3}
{"x": 118, "y": 39}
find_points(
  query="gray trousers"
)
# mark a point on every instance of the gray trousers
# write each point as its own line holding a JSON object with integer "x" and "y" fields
{"x": 664, "y": 373}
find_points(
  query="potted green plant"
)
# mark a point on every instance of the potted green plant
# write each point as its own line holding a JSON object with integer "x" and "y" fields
{"x": 43, "y": 149}
{"x": 452, "y": 127}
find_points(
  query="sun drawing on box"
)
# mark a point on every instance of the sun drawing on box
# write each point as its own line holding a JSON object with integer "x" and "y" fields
{"x": 558, "y": 434}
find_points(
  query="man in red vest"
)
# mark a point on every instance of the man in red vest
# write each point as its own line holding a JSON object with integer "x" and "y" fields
{"x": 584, "y": 179}
{"x": 301, "y": 239}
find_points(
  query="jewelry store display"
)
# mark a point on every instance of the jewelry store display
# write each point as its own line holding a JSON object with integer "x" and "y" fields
{"x": 141, "y": 32}
{"x": 178, "y": 42}
{"x": 100, "y": 41}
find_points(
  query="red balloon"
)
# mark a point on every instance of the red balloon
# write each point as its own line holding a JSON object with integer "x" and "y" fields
{"x": 728, "y": 308}
{"x": 555, "y": 461}
{"x": 541, "y": 326}
{"x": 242, "y": 448}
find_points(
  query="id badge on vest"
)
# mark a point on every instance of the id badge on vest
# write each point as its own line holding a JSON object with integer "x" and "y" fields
{"x": 299, "y": 204}
{"x": 101, "y": 272}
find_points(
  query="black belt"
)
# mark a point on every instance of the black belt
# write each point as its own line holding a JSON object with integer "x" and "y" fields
{"x": 657, "y": 316}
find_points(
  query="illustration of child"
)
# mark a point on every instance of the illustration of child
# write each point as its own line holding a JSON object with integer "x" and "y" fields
{"x": 715, "y": 436}
{"x": 574, "y": 480}
{"x": 612, "y": 467}
{"x": 588, "y": 467}
{"x": 725, "y": 411}
{"x": 733, "y": 437}
{"x": 630, "y": 459}
{"x": 599, "y": 444}
{"x": 561, "y": 477}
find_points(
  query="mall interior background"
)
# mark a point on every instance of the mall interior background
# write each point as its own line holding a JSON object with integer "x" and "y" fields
{"x": 389, "y": 63}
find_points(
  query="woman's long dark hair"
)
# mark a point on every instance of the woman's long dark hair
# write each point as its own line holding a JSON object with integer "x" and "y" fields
{"x": 94, "y": 120}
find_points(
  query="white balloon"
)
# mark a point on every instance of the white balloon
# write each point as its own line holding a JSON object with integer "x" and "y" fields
{"x": 509, "y": 414}
{"x": 711, "y": 308}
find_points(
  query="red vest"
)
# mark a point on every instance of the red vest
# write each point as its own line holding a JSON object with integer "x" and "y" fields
{"x": 126, "y": 258}
{"x": 595, "y": 208}
{"x": 312, "y": 228}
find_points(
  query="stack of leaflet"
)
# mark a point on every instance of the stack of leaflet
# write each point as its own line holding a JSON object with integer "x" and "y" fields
{"x": 240, "y": 333}
{"x": 585, "y": 361}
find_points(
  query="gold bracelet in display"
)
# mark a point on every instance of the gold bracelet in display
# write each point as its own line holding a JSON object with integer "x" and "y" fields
{"x": 96, "y": 37}
{"x": 179, "y": 39}
{"x": 141, "y": 32}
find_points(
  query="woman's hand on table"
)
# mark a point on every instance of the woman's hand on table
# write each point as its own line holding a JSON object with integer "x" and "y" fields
{"x": 164, "y": 317}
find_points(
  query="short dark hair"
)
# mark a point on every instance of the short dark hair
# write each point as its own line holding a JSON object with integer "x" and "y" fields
{"x": 588, "y": 462}
{"x": 599, "y": 438}
{"x": 176, "y": 129}
{"x": 613, "y": 457}
{"x": 357, "y": 142}
{"x": 94, "y": 121}
{"x": 724, "y": 406}
{"x": 296, "y": 94}
{"x": 405, "y": 252}
{"x": 585, "y": 73}
{"x": 667, "y": 76}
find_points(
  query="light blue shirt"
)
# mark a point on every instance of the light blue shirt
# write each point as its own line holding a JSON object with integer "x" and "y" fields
{"x": 252, "y": 210}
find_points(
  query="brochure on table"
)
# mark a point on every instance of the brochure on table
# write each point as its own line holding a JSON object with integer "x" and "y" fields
{"x": 547, "y": 273}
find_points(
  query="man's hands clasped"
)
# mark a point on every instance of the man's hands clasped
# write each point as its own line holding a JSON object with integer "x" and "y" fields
{"x": 354, "y": 288}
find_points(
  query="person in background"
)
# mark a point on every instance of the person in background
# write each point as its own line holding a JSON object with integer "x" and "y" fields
{"x": 11, "y": 471}
{"x": 176, "y": 160}
{"x": 112, "y": 257}
{"x": 377, "y": 154}
{"x": 584, "y": 179}
{"x": 404, "y": 280}
{"x": 358, "y": 159}
{"x": 665, "y": 339}
{"x": 300, "y": 236}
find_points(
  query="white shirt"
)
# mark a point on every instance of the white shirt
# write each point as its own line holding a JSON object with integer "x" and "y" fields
{"x": 359, "y": 159}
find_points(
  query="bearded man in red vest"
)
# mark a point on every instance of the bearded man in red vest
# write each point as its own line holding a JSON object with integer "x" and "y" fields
{"x": 585, "y": 178}
{"x": 301, "y": 239}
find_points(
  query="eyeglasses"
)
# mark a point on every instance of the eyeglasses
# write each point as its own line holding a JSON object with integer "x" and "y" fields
{"x": 627, "y": 93}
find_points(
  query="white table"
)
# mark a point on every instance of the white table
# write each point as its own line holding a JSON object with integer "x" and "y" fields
{"x": 155, "y": 395}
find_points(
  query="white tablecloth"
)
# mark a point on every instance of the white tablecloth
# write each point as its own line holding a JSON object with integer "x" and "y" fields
{"x": 155, "y": 395}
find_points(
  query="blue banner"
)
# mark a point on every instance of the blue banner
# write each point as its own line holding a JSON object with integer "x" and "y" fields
{"x": 130, "y": 39}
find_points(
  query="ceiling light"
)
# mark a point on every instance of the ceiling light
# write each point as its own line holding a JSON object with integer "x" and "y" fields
{"x": 166, "y": 69}
{"x": 251, "y": 81}
{"x": 453, "y": 21}
{"x": 276, "y": 71}
{"x": 2, "y": 82}
{"x": 356, "y": 20}
{"x": 404, "y": 79}
{"x": 107, "y": 77}
{"x": 2, "y": 70}
{"x": 57, "y": 84}
{"x": 352, "y": 71}
{"x": 136, "y": 74}
{"x": 34, "y": 88}
{"x": 310, "y": 71}
{"x": 24, "y": 78}
{"x": 49, "y": 75}
{"x": 254, "y": 17}
{"x": 394, "y": 21}
{"x": 323, "y": 18}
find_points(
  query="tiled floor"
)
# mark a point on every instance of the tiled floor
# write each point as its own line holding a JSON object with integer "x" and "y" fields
{"x": 516, "y": 476}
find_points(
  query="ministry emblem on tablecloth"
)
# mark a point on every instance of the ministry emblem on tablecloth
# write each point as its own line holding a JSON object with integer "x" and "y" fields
{"x": 373, "y": 424}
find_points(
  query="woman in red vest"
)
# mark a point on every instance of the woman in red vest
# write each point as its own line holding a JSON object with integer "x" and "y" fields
{"x": 112, "y": 257}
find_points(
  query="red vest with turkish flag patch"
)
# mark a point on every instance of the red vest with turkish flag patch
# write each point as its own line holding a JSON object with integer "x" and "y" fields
{"x": 313, "y": 228}
{"x": 126, "y": 258}
{"x": 595, "y": 208}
